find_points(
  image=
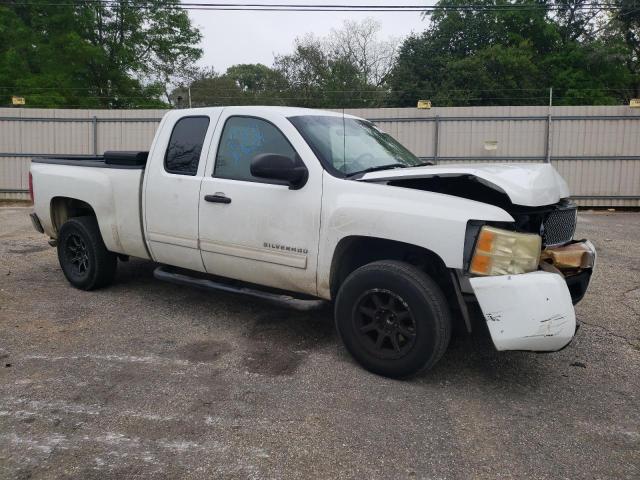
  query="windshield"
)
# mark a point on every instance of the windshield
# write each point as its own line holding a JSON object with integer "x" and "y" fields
{"x": 352, "y": 146}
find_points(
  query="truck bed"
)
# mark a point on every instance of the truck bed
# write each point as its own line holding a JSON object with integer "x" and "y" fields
{"x": 110, "y": 185}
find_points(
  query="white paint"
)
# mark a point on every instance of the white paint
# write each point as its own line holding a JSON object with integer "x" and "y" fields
{"x": 178, "y": 445}
{"x": 39, "y": 405}
{"x": 152, "y": 360}
{"x": 315, "y": 218}
{"x": 45, "y": 445}
{"x": 171, "y": 201}
{"x": 430, "y": 220}
{"x": 531, "y": 311}
{"x": 112, "y": 193}
{"x": 148, "y": 416}
{"x": 232, "y": 237}
{"x": 529, "y": 184}
{"x": 263, "y": 213}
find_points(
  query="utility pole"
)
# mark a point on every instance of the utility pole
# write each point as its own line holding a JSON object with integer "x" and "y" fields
{"x": 547, "y": 153}
{"x": 189, "y": 91}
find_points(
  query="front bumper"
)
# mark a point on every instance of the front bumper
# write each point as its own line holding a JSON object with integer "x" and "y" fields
{"x": 534, "y": 311}
{"x": 531, "y": 311}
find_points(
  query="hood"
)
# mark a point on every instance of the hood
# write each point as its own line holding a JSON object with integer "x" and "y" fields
{"x": 527, "y": 184}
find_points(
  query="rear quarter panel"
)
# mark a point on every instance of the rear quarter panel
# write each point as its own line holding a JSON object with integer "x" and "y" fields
{"x": 114, "y": 195}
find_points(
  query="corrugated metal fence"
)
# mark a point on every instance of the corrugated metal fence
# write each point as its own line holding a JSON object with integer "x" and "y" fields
{"x": 596, "y": 149}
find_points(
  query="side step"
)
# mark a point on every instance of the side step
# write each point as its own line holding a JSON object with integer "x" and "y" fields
{"x": 167, "y": 274}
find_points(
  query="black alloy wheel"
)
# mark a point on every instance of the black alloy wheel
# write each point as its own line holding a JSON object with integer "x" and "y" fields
{"x": 385, "y": 322}
{"x": 77, "y": 254}
{"x": 83, "y": 256}
{"x": 393, "y": 318}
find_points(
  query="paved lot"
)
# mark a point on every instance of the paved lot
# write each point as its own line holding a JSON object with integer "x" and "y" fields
{"x": 146, "y": 379}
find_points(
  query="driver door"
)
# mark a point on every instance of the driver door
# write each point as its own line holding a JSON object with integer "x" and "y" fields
{"x": 252, "y": 229}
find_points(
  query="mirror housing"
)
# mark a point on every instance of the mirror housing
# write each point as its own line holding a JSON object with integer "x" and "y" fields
{"x": 272, "y": 166}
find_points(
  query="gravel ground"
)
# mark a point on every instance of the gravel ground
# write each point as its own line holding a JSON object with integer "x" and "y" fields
{"x": 146, "y": 379}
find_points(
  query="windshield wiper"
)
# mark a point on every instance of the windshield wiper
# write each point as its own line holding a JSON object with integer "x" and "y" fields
{"x": 427, "y": 163}
{"x": 375, "y": 169}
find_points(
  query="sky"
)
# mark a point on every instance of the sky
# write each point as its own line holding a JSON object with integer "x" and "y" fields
{"x": 231, "y": 37}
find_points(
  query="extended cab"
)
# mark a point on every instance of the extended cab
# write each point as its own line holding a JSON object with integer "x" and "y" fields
{"x": 327, "y": 206}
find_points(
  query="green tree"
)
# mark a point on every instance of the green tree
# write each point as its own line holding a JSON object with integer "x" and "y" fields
{"x": 496, "y": 73}
{"x": 626, "y": 33}
{"x": 504, "y": 55}
{"x": 318, "y": 79}
{"x": 94, "y": 54}
{"x": 244, "y": 84}
{"x": 256, "y": 78}
{"x": 472, "y": 56}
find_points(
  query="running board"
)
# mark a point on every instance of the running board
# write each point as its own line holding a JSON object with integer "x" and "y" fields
{"x": 167, "y": 275}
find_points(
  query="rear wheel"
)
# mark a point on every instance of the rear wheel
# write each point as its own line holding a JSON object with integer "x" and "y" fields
{"x": 393, "y": 318}
{"x": 83, "y": 257}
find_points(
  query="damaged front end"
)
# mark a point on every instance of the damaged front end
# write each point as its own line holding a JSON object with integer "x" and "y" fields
{"x": 527, "y": 279}
{"x": 525, "y": 275}
{"x": 533, "y": 309}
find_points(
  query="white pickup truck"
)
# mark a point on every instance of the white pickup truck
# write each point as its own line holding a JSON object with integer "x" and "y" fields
{"x": 327, "y": 206}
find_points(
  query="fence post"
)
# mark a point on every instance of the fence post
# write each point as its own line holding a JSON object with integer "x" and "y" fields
{"x": 94, "y": 122}
{"x": 547, "y": 150}
{"x": 436, "y": 139}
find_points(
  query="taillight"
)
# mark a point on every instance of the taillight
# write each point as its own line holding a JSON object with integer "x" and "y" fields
{"x": 31, "y": 186}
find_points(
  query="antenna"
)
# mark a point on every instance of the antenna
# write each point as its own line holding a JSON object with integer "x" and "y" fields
{"x": 344, "y": 144}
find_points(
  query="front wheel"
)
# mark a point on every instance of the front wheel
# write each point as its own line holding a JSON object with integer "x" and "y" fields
{"x": 83, "y": 257}
{"x": 393, "y": 318}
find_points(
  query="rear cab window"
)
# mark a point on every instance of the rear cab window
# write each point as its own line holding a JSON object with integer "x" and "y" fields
{"x": 185, "y": 145}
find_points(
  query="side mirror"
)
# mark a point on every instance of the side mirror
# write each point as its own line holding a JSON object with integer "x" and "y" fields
{"x": 273, "y": 166}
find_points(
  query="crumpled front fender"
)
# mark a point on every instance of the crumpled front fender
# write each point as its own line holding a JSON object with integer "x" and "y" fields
{"x": 531, "y": 311}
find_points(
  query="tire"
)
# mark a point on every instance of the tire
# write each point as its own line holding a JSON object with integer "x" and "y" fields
{"x": 393, "y": 318}
{"x": 84, "y": 259}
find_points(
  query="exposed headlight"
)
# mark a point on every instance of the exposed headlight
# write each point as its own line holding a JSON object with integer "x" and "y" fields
{"x": 502, "y": 252}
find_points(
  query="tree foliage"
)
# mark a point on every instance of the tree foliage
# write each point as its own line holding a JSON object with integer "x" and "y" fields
{"x": 243, "y": 84}
{"x": 318, "y": 76}
{"x": 132, "y": 53}
{"x": 93, "y": 54}
{"x": 513, "y": 56}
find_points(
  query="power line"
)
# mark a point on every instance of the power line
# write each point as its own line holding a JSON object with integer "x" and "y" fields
{"x": 31, "y": 90}
{"x": 280, "y": 7}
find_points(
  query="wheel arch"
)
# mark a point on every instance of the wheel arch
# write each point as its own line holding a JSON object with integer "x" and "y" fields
{"x": 353, "y": 252}
{"x": 63, "y": 208}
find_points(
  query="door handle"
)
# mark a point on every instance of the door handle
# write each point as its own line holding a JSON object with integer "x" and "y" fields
{"x": 217, "y": 198}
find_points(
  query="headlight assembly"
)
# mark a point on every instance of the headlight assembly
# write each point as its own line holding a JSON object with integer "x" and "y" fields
{"x": 503, "y": 252}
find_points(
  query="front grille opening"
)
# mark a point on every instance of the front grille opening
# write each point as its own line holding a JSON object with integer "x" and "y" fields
{"x": 559, "y": 227}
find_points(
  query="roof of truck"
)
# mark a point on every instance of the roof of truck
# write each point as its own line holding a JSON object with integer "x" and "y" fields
{"x": 260, "y": 109}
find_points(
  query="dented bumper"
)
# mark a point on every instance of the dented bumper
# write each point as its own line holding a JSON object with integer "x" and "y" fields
{"x": 532, "y": 311}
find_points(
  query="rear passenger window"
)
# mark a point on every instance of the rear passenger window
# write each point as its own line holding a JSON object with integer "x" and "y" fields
{"x": 185, "y": 145}
{"x": 242, "y": 139}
